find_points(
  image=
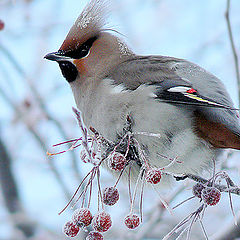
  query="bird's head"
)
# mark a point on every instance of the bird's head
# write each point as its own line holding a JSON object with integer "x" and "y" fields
{"x": 89, "y": 49}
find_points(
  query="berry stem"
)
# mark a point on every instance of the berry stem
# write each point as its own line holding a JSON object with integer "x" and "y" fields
{"x": 129, "y": 184}
{"x": 65, "y": 142}
{"x": 75, "y": 193}
{"x": 84, "y": 134}
{"x": 141, "y": 196}
{"x": 119, "y": 177}
{"x": 135, "y": 191}
{"x": 183, "y": 202}
{"x": 84, "y": 192}
{"x": 203, "y": 229}
{"x": 171, "y": 163}
{"x": 128, "y": 145}
{"x": 141, "y": 154}
{"x": 90, "y": 194}
{"x": 99, "y": 188}
{"x": 162, "y": 200}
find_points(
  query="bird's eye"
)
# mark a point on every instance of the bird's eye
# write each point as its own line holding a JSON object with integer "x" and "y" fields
{"x": 82, "y": 51}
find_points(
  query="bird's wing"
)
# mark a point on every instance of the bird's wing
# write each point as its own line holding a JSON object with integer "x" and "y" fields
{"x": 183, "y": 83}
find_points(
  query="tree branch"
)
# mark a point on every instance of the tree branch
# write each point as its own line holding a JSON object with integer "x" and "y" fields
{"x": 11, "y": 194}
{"x": 230, "y": 34}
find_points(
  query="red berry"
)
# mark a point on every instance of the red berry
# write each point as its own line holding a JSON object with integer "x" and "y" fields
{"x": 211, "y": 196}
{"x": 70, "y": 229}
{"x": 110, "y": 196}
{"x": 197, "y": 190}
{"x": 1, "y": 25}
{"x": 132, "y": 221}
{"x": 94, "y": 236}
{"x": 153, "y": 175}
{"x": 101, "y": 222}
{"x": 82, "y": 217}
{"x": 116, "y": 161}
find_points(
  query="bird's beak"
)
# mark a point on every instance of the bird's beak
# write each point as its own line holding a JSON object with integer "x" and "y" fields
{"x": 57, "y": 56}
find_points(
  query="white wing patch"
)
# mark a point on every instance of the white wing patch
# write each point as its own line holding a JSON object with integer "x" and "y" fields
{"x": 180, "y": 89}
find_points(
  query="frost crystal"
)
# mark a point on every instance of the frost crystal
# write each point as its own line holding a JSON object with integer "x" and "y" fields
{"x": 85, "y": 20}
{"x": 101, "y": 222}
{"x": 123, "y": 48}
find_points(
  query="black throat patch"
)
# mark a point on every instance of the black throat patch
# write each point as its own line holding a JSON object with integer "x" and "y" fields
{"x": 69, "y": 70}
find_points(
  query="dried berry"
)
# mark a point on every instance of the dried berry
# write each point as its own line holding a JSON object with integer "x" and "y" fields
{"x": 70, "y": 229}
{"x": 82, "y": 217}
{"x": 110, "y": 196}
{"x": 153, "y": 175}
{"x": 116, "y": 161}
{"x": 132, "y": 221}
{"x": 94, "y": 236}
{"x": 101, "y": 222}
{"x": 197, "y": 190}
{"x": 1, "y": 25}
{"x": 211, "y": 196}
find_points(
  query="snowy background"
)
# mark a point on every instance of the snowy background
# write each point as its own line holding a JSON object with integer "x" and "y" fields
{"x": 36, "y": 101}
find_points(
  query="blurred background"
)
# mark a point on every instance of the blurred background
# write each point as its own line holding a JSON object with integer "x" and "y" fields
{"x": 36, "y": 101}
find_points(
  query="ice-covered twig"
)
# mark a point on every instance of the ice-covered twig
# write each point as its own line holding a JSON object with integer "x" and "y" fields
{"x": 221, "y": 188}
{"x": 84, "y": 137}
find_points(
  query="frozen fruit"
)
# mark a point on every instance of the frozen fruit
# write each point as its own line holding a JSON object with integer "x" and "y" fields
{"x": 70, "y": 229}
{"x": 110, "y": 196}
{"x": 153, "y": 175}
{"x": 82, "y": 217}
{"x": 101, "y": 222}
{"x": 132, "y": 221}
{"x": 211, "y": 196}
{"x": 116, "y": 161}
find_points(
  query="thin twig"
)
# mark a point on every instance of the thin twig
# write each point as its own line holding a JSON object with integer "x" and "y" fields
{"x": 233, "y": 47}
{"x": 221, "y": 188}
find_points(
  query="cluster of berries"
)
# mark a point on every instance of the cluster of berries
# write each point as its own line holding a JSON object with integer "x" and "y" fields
{"x": 209, "y": 195}
{"x": 117, "y": 162}
{"x": 101, "y": 221}
{"x": 81, "y": 218}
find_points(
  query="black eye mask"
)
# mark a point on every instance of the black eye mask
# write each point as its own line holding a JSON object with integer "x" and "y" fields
{"x": 82, "y": 51}
{"x": 69, "y": 70}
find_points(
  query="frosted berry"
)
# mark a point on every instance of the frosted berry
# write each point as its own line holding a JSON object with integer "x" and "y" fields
{"x": 82, "y": 217}
{"x": 153, "y": 175}
{"x": 101, "y": 222}
{"x": 70, "y": 229}
{"x": 211, "y": 196}
{"x": 94, "y": 236}
{"x": 116, "y": 161}
{"x": 1, "y": 25}
{"x": 132, "y": 221}
{"x": 110, "y": 196}
{"x": 197, "y": 190}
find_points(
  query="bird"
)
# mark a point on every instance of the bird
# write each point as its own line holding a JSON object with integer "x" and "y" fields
{"x": 186, "y": 105}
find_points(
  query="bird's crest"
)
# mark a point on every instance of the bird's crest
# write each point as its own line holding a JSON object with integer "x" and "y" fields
{"x": 88, "y": 24}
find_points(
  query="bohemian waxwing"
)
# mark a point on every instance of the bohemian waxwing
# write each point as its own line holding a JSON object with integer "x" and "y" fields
{"x": 188, "y": 106}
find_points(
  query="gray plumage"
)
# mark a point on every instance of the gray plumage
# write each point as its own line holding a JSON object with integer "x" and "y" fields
{"x": 188, "y": 106}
